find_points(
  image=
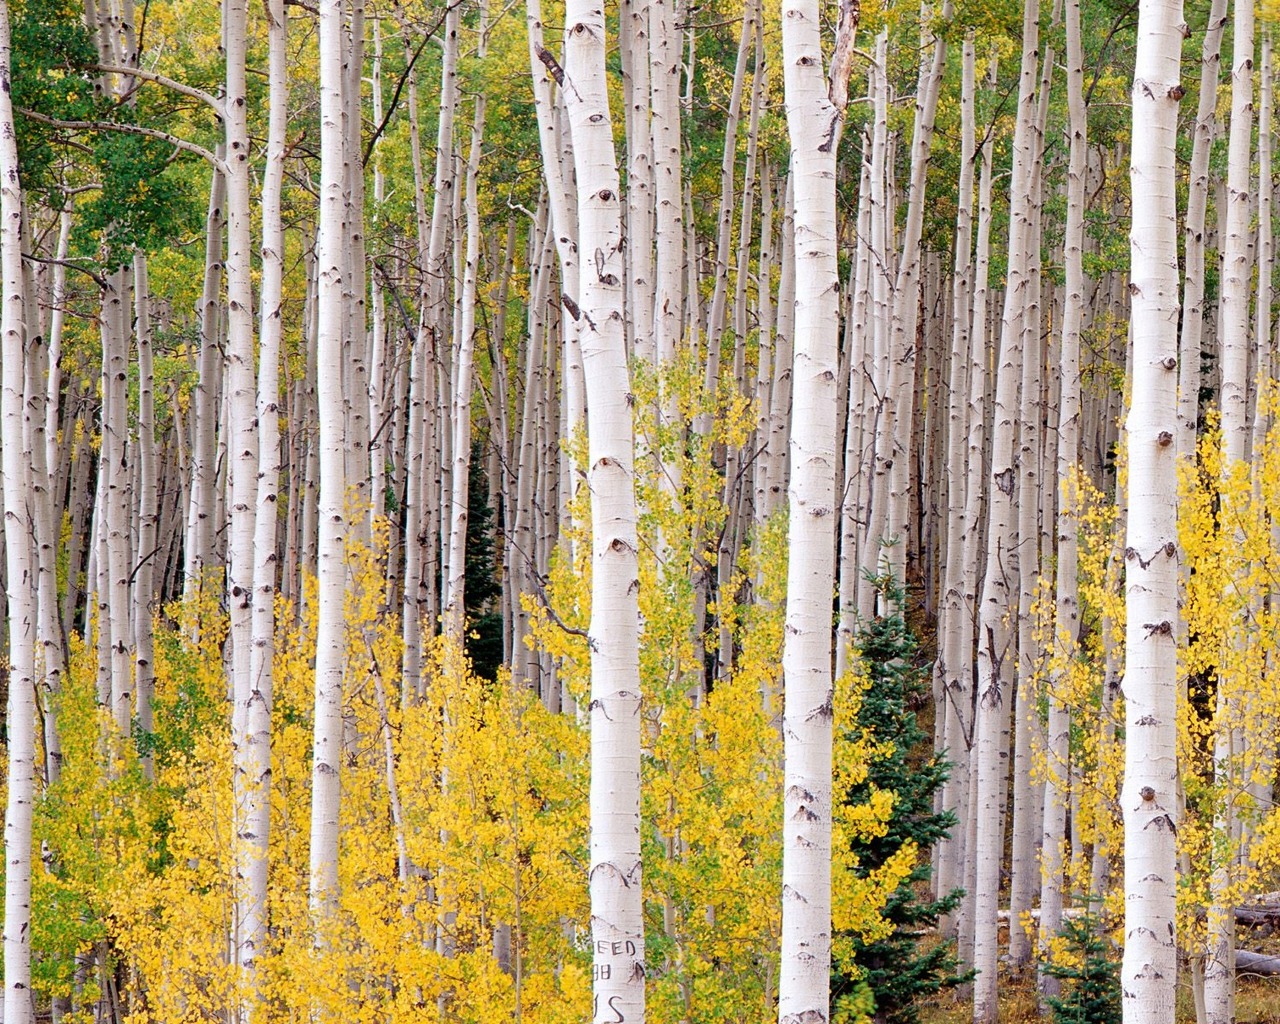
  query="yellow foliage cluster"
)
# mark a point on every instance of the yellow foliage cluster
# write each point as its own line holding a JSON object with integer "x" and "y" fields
{"x": 464, "y": 817}
{"x": 1229, "y": 687}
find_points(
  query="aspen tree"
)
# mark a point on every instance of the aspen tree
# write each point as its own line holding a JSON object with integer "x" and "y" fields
{"x": 996, "y": 651}
{"x": 1189, "y": 343}
{"x": 815, "y": 113}
{"x": 254, "y": 760}
{"x": 114, "y": 621}
{"x": 1148, "y": 798}
{"x": 954, "y": 662}
{"x": 889, "y": 523}
{"x": 1219, "y": 972}
{"x": 48, "y": 486}
{"x": 633, "y": 47}
{"x": 463, "y": 358}
{"x": 148, "y": 513}
{"x": 1023, "y": 870}
{"x": 617, "y": 922}
{"x": 20, "y": 723}
{"x": 664, "y": 83}
{"x": 330, "y": 639}
{"x": 198, "y": 547}
{"x": 1066, "y": 622}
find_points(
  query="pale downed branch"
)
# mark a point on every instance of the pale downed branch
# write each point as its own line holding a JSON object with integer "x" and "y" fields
{"x": 1249, "y": 962}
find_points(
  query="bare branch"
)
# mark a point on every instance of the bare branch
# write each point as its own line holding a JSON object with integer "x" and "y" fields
{"x": 212, "y": 101}
{"x": 126, "y": 129}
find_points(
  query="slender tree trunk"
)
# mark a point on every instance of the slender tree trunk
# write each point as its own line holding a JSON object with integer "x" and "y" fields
{"x": 996, "y": 651}
{"x": 20, "y": 723}
{"x": 148, "y": 509}
{"x": 1219, "y": 972}
{"x": 198, "y": 550}
{"x": 1149, "y": 798}
{"x": 617, "y": 922}
{"x": 955, "y": 660}
{"x": 330, "y": 629}
{"x": 1067, "y": 604}
{"x": 814, "y": 120}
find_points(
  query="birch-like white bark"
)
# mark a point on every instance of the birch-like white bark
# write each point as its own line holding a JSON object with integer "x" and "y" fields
{"x": 20, "y": 723}
{"x": 1148, "y": 798}
{"x": 148, "y": 510}
{"x": 1190, "y": 339}
{"x": 815, "y": 116}
{"x": 954, "y": 666}
{"x": 330, "y": 628}
{"x": 996, "y": 652}
{"x": 617, "y": 921}
{"x": 1233, "y": 320}
{"x": 253, "y": 766}
{"x": 1067, "y": 605}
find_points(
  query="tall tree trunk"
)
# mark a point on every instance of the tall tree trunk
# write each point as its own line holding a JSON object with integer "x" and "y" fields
{"x": 20, "y": 575}
{"x": 253, "y": 766}
{"x": 148, "y": 509}
{"x": 814, "y": 119}
{"x": 1149, "y": 798}
{"x": 330, "y": 629}
{"x": 1219, "y": 971}
{"x": 1067, "y": 603}
{"x": 996, "y": 651}
{"x": 617, "y": 921}
{"x": 955, "y": 659}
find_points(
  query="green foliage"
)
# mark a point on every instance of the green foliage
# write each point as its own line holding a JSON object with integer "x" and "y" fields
{"x": 1092, "y": 995}
{"x": 896, "y": 970}
{"x": 143, "y": 201}
{"x": 51, "y": 51}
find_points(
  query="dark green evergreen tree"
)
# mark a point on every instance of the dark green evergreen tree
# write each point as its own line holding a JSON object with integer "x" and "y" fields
{"x": 483, "y": 642}
{"x": 899, "y": 969}
{"x": 1092, "y": 992}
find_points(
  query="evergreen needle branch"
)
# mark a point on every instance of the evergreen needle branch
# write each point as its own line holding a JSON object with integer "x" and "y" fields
{"x": 127, "y": 129}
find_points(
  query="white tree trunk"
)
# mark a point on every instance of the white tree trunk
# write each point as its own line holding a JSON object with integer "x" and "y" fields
{"x": 1237, "y": 267}
{"x": 814, "y": 121}
{"x": 1066, "y": 623}
{"x": 253, "y": 766}
{"x": 954, "y": 666}
{"x": 996, "y": 652}
{"x": 1148, "y": 798}
{"x": 617, "y": 921}
{"x": 330, "y": 629}
{"x": 20, "y": 723}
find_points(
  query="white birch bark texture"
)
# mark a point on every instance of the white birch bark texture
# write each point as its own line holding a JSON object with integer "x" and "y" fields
{"x": 1066, "y": 625}
{"x": 1194, "y": 233}
{"x": 20, "y": 715}
{"x": 617, "y": 921}
{"x": 1233, "y": 348}
{"x": 330, "y": 645}
{"x": 996, "y": 654}
{"x": 254, "y": 760}
{"x": 1148, "y": 797}
{"x": 814, "y": 120}
{"x": 954, "y": 667}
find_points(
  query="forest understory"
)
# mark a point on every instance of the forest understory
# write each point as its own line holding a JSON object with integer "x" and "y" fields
{"x": 656, "y": 510}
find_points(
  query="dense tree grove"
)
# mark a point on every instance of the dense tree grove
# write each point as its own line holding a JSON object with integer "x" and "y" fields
{"x": 650, "y": 510}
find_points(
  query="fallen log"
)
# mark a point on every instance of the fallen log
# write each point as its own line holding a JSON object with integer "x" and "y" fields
{"x": 1249, "y": 962}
